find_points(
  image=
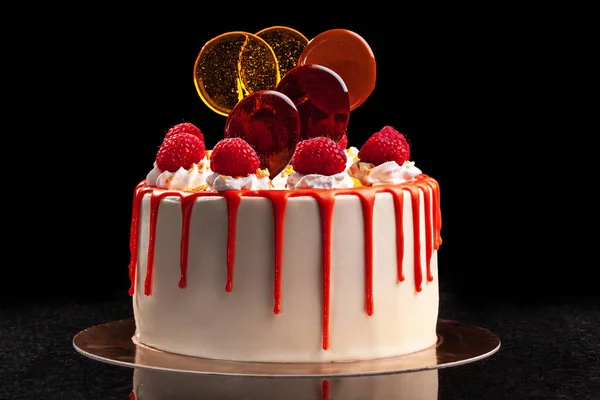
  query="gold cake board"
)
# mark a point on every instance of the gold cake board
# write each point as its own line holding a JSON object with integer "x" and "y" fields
{"x": 458, "y": 343}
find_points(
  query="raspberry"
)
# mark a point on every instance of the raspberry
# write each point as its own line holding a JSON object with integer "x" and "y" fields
{"x": 386, "y": 145}
{"x": 234, "y": 157}
{"x": 319, "y": 155}
{"x": 343, "y": 143}
{"x": 185, "y": 127}
{"x": 179, "y": 151}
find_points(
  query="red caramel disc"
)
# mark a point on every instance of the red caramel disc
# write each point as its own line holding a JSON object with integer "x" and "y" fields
{"x": 321, "y": 97}
{"x": 349, "y": 55}
{"x": 270, "y": 122}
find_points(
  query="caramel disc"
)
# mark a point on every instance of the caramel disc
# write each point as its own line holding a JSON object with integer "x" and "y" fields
{"x": 231, "y": 66}
{"x": 349, "y": 55}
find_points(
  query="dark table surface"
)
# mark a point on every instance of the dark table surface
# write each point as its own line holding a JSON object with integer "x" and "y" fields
{"x": 549, "y": 351}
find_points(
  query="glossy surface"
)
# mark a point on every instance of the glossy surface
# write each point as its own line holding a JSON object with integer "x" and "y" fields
{"x": 231, "y": 66}
{"x": 270, "y": 122}
{"x": 549, "y": 350}
{"x": 458, "y": 344}
{"x": 321, "y": 98}
{"x": 287, "y": 43}
{"x": 149, "y": 384}
{"x": 348, "y": 54}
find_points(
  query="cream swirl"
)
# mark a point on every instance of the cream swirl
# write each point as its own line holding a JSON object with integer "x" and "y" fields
{"x": 351, "y": 156}
{"x": 316, "y": 181}
{"x": 388, "y": 173}
{"x": 221, "y": 183}
{"x": 183, "y": 179}
{"x": 152, "y": 176}
{"x": 279, "y": 182}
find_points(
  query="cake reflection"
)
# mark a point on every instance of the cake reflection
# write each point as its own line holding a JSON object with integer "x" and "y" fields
{"x": 151, "y": 384}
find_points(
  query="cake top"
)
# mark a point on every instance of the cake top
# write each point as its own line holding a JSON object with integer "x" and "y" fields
{"x": 287, "y": 102}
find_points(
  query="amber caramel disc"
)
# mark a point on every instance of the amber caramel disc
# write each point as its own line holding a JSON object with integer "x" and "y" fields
{"x": 287, "y": 43}
{"x": 231, "y": 66}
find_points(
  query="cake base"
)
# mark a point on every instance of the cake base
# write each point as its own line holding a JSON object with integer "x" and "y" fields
{"x": 458, "y": 344}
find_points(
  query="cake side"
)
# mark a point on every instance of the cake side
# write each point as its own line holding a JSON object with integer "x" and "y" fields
{"x": 281, "y": 243}
{"x": 364, "y": 295}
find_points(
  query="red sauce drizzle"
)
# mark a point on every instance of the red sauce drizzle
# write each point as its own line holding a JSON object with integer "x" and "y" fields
{"x": 367, "y": 201}
{"x": 233, "y": 198}
{"x": 325, "y": 389}
{"x": 428, "y": 232}
{"x": 155, "y": 201}
{"x": 437, "y": 213}
{"x": 414, "y": 195}
{"x": 187, "y": 204}
{"x": 279, "y": 204}
{"x": 140, "y": 190}
{"x": 325, "y": 200}
{"x": 398, "y": 197}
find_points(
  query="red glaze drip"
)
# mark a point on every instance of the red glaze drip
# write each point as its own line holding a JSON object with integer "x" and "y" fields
{"x": 437, "y": 214}
{"x": 325, "y": 389}
{"x": 367, "y": 201}
{"x": 187, "y": 204}
{"x": 398, "y": 197}
{"x": 132, "y": 396}
{"x": 415, "y": 201}
{"x": 154, "y": 205}
{"x": 134, "y": 237}
{"x": 428, "y": 232}
{"x": 325, "y": 200}
{"x": 279, "y": 203}
{"x": 233, "y": 198}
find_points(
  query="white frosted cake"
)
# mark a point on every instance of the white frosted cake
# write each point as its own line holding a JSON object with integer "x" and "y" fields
{"x": 337, "y": 264}
{"x": 283, "y": 244}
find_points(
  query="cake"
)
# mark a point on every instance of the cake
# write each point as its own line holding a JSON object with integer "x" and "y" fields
{"x": 302, "y": 250}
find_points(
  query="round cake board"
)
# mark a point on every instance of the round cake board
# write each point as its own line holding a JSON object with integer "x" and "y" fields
{"x": 458, "y": 343}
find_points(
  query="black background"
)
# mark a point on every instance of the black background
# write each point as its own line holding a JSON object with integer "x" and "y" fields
{"x": 493, "y": 100}
{"x": 467, "y": 92}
